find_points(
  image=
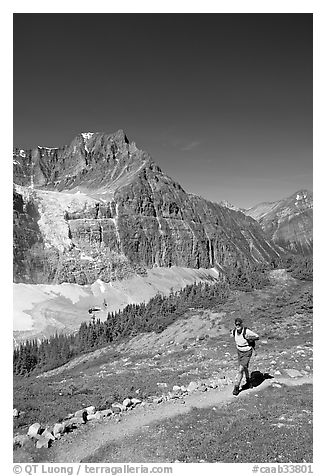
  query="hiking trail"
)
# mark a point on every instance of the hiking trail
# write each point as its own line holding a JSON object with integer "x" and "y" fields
{"x": 83, "y": 442}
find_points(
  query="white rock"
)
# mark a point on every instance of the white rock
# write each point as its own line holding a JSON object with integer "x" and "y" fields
{"x": 119, "y": 405}
{"x": 90, "y": 410}
{"x": 277, "y": 372}
{"x": 91, "y": 417}
{"x": 158, "y": 400}
{"x": 80, "y": 413}
{"x": 95, "y": 416}
{"x": 127, "y": 402}
{"x": 98, "y": 415}
{"x": 176, "y": 388}
{"x": 15, "y": 413}
{"x": 192, "y": 386}
{"x": 47, "y": 434}
{"x": 162, "y": 384}
{"x": 172, "y": 395}
{"x": 58, "y": 429}
{"x": 34, "y": 430}
{"x": 43, "y": 442}
{"x": 107, "y": 412}
{"x": 135, "y": 401}
{"x": 293, "y": 373}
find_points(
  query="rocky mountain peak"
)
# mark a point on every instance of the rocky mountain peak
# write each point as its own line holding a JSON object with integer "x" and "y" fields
{"x": 101, "y": 208}
{"x": 227, "y": 204}
{"x": 120, "y": 136}
{"x": 92, "y": 160}
{"x": 304, "y": 196}
{"x": 288, "y": 221}
{"x": 102, "y": 139}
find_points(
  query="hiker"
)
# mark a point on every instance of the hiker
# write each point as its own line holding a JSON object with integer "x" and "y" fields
{"x": 245, "y": 343}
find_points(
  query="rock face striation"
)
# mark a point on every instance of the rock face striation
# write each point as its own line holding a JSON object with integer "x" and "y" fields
{"x": 100, "y": 208}
{"x": 288, "y": 222}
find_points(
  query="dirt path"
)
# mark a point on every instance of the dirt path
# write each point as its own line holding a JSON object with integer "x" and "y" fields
{"x": 84, "y": 441}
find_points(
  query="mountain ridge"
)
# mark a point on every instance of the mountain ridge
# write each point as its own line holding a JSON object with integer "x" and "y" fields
{"x": 103, "y": 198}
{"x": 289, "y": 221}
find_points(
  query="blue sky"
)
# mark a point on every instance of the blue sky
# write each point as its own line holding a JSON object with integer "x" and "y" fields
{"x": 222, "y": 102}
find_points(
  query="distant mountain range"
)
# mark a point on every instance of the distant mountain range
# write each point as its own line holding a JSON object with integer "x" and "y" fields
{"x": 100, "y": 208}
{"x": 288, "y": 222}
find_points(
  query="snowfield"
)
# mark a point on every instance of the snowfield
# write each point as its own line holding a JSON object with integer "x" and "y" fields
{"x": 40, "y": 310}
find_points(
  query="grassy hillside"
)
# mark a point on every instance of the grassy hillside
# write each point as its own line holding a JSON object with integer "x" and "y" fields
{"x": 196, "y": 346}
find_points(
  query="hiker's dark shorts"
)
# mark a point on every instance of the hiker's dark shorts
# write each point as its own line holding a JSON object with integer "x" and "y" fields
{"x": 244, "y": 357}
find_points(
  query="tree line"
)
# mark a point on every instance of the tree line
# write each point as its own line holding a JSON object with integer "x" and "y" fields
{"x": 155, "y": 316}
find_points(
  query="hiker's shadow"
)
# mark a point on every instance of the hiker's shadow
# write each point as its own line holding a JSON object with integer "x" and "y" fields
{"x": 256, "y": 379}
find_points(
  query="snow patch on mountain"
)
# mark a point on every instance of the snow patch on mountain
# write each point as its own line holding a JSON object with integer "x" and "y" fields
{"x": 300, "y": 197}
{"x": 47, "y": 148}
{"x": 101, "y": 285}
{"x": 86, "y": 136}
{"x": 52, "y": 207}
{"x": 227, "y": 204}
{"x": 39, "y": 308}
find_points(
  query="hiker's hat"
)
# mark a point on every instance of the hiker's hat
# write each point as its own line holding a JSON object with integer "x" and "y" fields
{"x": 238, "y": 320}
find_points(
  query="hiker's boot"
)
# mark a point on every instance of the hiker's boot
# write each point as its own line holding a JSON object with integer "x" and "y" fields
{"x": 236, "y": 390}
{"x": 247, "y": 385}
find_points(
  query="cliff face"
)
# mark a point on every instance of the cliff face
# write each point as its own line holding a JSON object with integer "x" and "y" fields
{"x": 28, "y": 241}
{"x": 288, "y": 222}
{"x": 101, "y": 208}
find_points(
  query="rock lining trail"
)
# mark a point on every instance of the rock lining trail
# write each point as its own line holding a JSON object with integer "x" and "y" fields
{"x": 83, "y": 442}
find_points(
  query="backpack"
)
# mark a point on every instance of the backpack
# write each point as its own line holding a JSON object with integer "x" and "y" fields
{"x": 251, "y": 343}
